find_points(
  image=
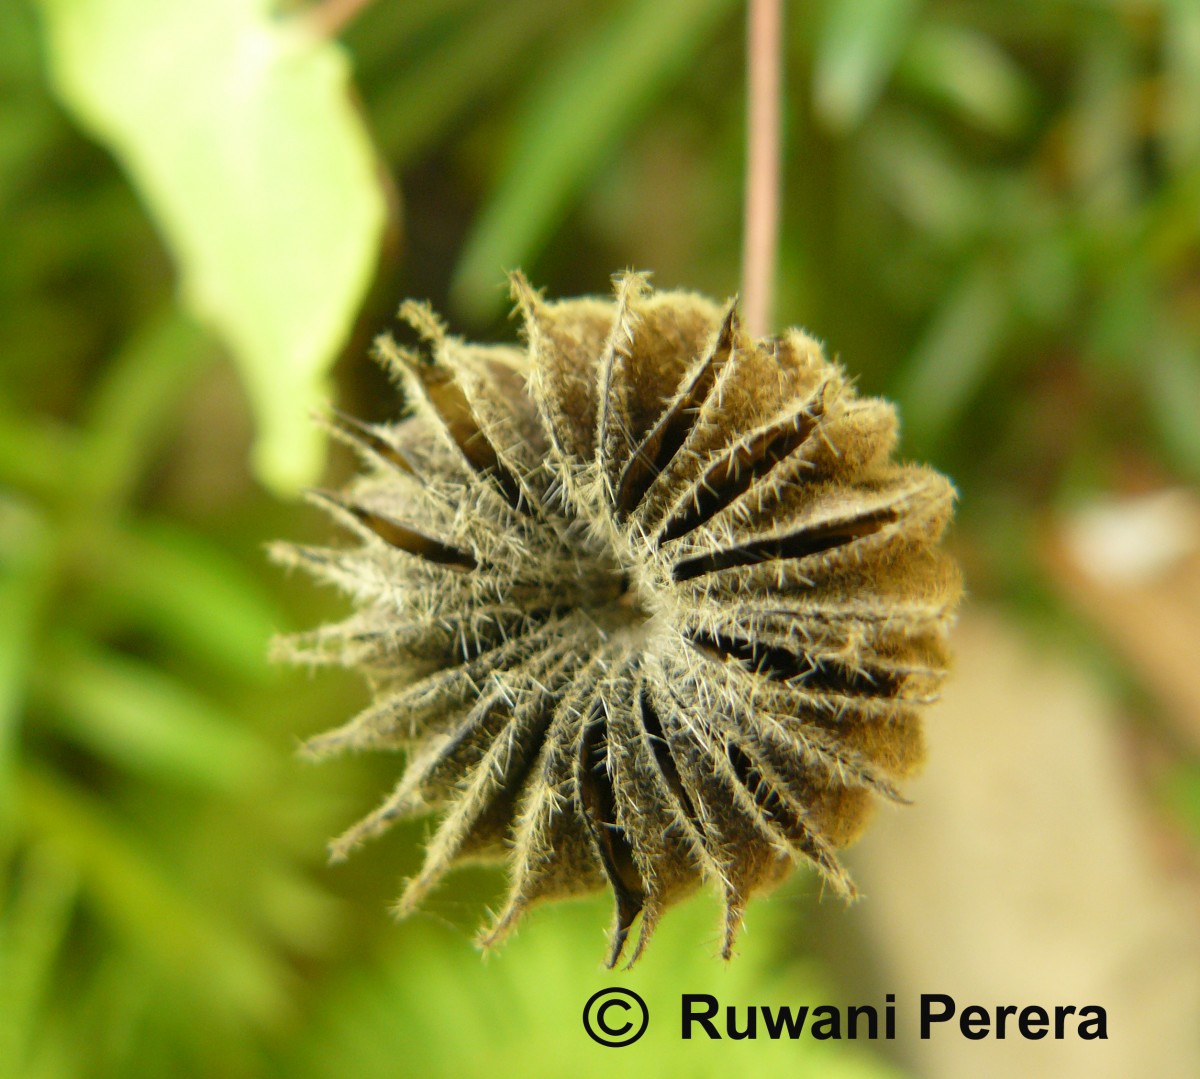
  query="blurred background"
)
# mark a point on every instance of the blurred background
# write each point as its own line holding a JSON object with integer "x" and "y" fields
{"x": 991, "y": 214}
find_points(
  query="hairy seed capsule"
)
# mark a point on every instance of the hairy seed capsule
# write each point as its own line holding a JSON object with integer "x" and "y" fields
{"x": 647, "y": 602}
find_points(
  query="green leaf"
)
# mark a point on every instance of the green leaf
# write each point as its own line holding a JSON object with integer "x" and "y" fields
{"x": 1179, "y": 789}
{"x": 1181, "y": 80}
{"x": 1102, "y": 139}
{"x": 36, "y": 453}
{"x": 1173, "y": 384}
{"x": 27, "y": 563}
{"x": 239, "y": 132}
{"x": 188, "y": 591}
{"x": 578, "y": 111}
{"x": 147, "y": 909}
{"x": 857, "y": 46}
{"x": 952, "y": 359}
{"x": 970, "y": 73}
{"x": 141, "y": 719}
{"x": 916, "y": 169}
{"x": 135, "y": 406}
{"x": 32, "y": 930}
{"x": 439, "y": 84}
{"x": 27, "y": 127}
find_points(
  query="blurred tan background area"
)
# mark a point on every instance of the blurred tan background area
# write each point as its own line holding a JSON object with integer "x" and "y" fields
{"x": 990, "y": 215}
{"x": 1064, "y": 887}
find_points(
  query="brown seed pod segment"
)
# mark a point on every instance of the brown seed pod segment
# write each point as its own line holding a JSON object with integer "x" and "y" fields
{"x": 647, "y": 602}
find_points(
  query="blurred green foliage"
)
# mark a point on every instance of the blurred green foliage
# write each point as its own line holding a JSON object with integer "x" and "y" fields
{"x": 992, "y": 212}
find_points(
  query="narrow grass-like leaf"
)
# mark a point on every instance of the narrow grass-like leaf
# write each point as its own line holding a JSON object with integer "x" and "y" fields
{"x": 1173, "y": 373}
{"x": 577, "y": 112}
{"x": 968, "y": 72}
{"x": 857, "y": 46}
{"x": 378, "y": 35}
{"x": 135, "y": 405}
{"x": 1181, "y": 80}
{"x": 27, "y": 128}
{"x": 953, "y": 358}
{"x": 139, "y": 718}
{"x": 916, "y": 168}
{"x": 1103, "y": 135}
{"x": 431, "y": 92}
{"x": 188, "y": 592}
{"x": 26, "y": 568}
{"x": 33, "y": 924}
{"x": 151, "y": 913}
{"x": 1180, "y": 790}
{"x": 37, "y": 454}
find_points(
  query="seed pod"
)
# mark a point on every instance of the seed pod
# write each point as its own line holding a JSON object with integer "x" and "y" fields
{"x": 646, "y": 601}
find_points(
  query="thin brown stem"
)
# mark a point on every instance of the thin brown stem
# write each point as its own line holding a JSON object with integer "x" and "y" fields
{"x": 330, "y": 17}
{"x": 761, "y": 221}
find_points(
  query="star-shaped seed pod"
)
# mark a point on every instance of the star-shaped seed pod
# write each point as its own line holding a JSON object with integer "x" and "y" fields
{"x": 646, "y": 601}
